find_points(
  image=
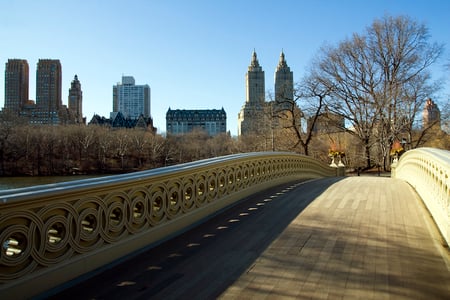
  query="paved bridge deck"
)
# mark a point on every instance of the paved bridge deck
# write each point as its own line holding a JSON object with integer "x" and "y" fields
{"x": 354, "y": 237}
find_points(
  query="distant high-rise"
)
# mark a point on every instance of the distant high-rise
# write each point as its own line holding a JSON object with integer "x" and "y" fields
{"x": 48, "y": 91}
{"x": 131, "y": 100}
{"x": 252, "y": 114}
{"x": 431, "y": 114}
{"x": 76, "y": 101}
{"x": 255, "y": 85}
{"x": 16, "y": 84}
{"x": 284, "y": 81}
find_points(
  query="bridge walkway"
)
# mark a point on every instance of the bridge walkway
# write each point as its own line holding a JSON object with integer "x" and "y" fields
{"x": 333, "y": 238}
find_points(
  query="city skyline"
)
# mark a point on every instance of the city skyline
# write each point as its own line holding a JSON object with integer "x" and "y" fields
{"x": 193, "y": 55}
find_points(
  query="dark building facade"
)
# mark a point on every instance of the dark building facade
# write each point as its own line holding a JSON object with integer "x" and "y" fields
{"x": 48, "y": 84}
{"x": 48, "y": 92}
{"x": 212, "y": 121}
{"x": 16, "y": 85}
{"x": 118, "y": 120}
{"x": 76, "y": 101}
{"x": 431, "y": 114}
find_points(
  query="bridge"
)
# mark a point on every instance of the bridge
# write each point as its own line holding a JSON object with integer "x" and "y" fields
{"x": 241, "y": 226}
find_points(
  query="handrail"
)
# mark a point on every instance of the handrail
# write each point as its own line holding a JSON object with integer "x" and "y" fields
{"x": 428, "y": 170}
{"x": 53, "y": 233}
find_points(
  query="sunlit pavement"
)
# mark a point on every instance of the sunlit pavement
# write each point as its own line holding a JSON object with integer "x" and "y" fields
{"x": 354, "y": 237}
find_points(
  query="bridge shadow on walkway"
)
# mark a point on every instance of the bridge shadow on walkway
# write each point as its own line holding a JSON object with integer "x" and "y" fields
{"x": 357, "y": 237}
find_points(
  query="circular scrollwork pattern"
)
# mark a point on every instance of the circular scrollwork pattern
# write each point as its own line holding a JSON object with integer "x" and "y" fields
{"x": 222, "y": 182}
{"x": 231, "y": 180}
{"x": 158, "y": 203}
{"x": 174, "y": 198}
{"x": 138, "y": 208}
{"x": 55, "y": 246}
{"x": 212, "y": 186}
{"x": 114, "y": 227}
{"x": 201, "y": 189}
{"x": 89, "y": 223}
{"x": 18, "y": 237}
{"x": 16, "y": 248}
{"x": 188, "y": 194}
{"x": 43, "y": 232}
{"x": 239, "y": 177}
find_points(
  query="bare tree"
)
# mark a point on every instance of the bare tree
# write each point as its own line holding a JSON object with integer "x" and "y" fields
{"x": 83, "y": 139}
{"x": 8, "y": 121}
{"x": 139, "y": 142}
{"x": 221, "y": 144}
{"x": 372, "y": 77}
{"x": 104, "y": 146}
{"x": 122, "y": 145}
{"x": 306, "y": 106}
{"x": 156, "y": 150}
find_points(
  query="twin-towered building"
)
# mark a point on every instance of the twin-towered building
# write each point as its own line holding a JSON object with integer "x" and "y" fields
{"x": 48, "y": 108}
{"x": 256, "y": 115}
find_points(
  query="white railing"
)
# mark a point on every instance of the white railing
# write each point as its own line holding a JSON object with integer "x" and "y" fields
{"x": 428, "y": 171}
{"x": 54, "y": 233}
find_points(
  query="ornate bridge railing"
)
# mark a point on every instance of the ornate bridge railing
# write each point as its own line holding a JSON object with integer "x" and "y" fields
{"x": 428, "y": 171}
{"x": 54, "y": 233}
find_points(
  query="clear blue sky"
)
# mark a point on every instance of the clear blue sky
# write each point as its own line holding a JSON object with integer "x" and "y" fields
{"x": 194, "y": 54}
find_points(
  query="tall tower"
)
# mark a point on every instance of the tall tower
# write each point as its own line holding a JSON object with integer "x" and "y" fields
{"x": 284, "y": 81}
{"x": 16, "y": 84}
{"x": 254, "y": 80}
{"x": 48, "y": 90}
{"x": 431, "y": 114}
{"x": 251, "y": 118}
{"x": 131, "y": 100}
{"x": 76, "y": 100}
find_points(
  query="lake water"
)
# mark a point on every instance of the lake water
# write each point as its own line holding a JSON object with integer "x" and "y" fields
{"x": 7, "y": 183}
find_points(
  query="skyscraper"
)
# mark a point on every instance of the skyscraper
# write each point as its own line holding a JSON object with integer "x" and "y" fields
{"x": 284, "y": 81}
{"x": 76, "y": 101}
{"x": 251, "y": 116}
{"x": 254, "y": 79}
{"x": 284, "y": 95}
{"x": 131, "y": 100}
{"x": 16, "y": 84}
{"x": 48, "y": 91}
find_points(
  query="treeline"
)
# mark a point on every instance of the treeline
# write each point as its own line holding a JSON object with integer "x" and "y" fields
{"x": 40, "y": 150}
{"x": 62, "y": 150}
{"x": 66, "y": 150}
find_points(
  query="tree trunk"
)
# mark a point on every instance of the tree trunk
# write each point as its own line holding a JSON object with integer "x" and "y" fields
{"x": 368, "y": 164}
